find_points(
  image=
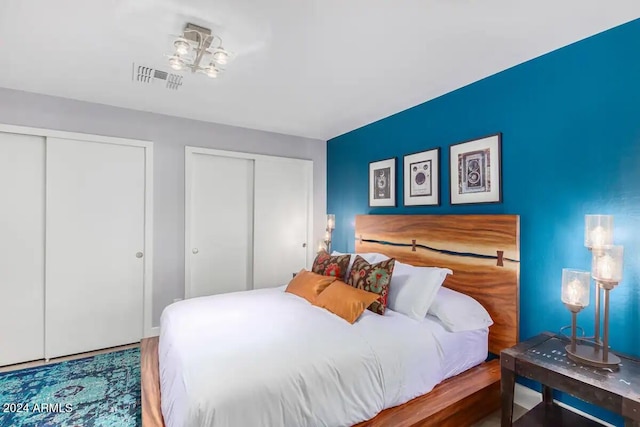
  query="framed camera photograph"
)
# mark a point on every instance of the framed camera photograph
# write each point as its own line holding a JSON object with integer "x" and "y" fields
{"x": 422, "y": 178}
{"x": 475, "y": 172}
{"x": 382, "y": 183}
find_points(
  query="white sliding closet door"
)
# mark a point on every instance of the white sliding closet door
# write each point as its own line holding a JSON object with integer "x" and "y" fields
{"x": 282, "y": 217}
{"x": 22, "y": 184}
{"x": 219, "y": 231}
{"x": 94, "y": 245}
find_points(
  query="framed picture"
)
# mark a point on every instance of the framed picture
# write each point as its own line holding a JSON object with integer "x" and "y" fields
{"x": 382, "y": 183}
{"x": 422, "y": 178}
{"x": 475, "y": 173}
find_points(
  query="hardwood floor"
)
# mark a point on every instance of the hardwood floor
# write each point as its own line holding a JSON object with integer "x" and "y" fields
{"x": 149, "y": 370}
{"x": 459, "y": 401}
{"x": 493, "y": 420}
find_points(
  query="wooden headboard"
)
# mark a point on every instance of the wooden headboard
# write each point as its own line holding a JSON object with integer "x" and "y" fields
{"x": 483, "y": 251}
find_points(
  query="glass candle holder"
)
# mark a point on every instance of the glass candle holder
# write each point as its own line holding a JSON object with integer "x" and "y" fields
{"x": 331, "y": 222}
{"x": 607, "y": 263}
{"x": 575, "y": 287}
{"x": 598, "y": 230}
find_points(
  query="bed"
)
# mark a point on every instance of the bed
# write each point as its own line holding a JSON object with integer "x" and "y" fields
{"x": 270, "y": 358}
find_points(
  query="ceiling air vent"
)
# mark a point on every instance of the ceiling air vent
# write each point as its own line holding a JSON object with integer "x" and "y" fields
{"x": 151, "y": 76}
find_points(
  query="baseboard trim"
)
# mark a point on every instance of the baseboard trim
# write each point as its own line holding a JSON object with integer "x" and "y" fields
{"x": 152, "y": 332}
{"x": 528, "y": 398}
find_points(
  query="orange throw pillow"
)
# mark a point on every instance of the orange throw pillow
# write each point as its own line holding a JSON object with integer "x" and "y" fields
{"x": 309, "y": 285}
{"x": 345, "y": 301}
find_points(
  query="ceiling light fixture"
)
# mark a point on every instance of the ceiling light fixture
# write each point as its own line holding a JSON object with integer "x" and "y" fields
{"x": 195, "y": 47}
{"x": 176, "y": 62}
{"x": 221, "y": 56}
{"x": 182, "y": 46}
{"x": 212, "y": 71}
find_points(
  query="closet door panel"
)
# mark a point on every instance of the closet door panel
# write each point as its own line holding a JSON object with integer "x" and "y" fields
{"x": 94, "y": 245}
{"x": 220, "y": 224}
{"x": 281, "y": 220}
{"x": 22, "y": 209}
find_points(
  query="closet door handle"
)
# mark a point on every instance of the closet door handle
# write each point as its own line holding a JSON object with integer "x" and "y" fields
{"x": 139, "y": 254}
{"x": 195, "y": 250}
{"x": 304, "y": 245}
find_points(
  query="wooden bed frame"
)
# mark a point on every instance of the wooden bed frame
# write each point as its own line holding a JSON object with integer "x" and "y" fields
{"x": 483, "y": 251}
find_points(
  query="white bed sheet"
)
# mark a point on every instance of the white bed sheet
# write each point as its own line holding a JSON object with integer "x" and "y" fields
{"x": 459, "y": 351}
{"x": 269, "y": 358}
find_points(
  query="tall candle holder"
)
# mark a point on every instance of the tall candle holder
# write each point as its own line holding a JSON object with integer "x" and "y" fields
{"x": 575, "y": 295}
{"x": 606, "y": 270}
{"x": 598, "y": 232}
{"x": 331, "y": 225}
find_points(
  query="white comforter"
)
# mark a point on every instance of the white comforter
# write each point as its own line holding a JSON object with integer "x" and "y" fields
{"x": 268, "y": 358}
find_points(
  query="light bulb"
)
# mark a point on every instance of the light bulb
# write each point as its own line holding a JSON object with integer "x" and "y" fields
{"x": 182, "y": 46}
{"x": 598, "y": 231}
{"x": 607, "y": 264}
{"x": 212, "y": 72}
{"x": 221, "y": 56}
{"x": 574, "y": 292}
{"x": 598, "y": 236}
{"x": 605, "y": 267}
{"x": 575, "y": 287}
{"x": 176, "y": 63}
{"x": 331, "y": 221}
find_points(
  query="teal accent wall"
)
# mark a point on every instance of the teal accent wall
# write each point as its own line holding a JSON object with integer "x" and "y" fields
{"x": 570, "y": 123}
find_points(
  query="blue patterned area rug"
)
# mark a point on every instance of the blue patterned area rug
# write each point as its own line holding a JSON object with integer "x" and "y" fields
{"x": 99, "y": 391}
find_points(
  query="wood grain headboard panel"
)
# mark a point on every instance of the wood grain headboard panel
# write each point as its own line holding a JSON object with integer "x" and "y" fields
{"x": 483, "y": 251}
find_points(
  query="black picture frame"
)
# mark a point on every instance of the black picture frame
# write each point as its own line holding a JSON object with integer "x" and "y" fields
{"x": 382, "y": 183}
{"x": 476, "y": 163}
{"x": 411, "y": 160}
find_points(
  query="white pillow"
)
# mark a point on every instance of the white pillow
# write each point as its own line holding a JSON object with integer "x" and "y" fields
{"x": 371, "y": 258}
{"x": 459, "y": 312}
{"x": 413, "y": 289}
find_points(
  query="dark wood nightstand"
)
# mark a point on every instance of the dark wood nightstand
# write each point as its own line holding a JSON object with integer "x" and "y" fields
{"x": 543, "y": 359}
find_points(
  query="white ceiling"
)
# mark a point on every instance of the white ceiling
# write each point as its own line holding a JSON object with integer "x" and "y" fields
{"x": 315, "y": 68}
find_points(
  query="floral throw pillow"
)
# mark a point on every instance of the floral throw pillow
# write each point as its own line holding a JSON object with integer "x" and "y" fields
{"x": 334, "y": 266}
{"x": 373, "y": 278}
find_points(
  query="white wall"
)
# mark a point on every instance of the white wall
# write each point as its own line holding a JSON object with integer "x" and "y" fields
{"x": 169, "y": 135}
